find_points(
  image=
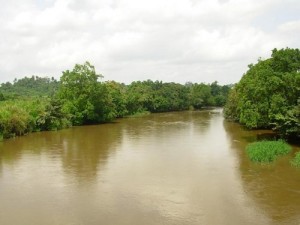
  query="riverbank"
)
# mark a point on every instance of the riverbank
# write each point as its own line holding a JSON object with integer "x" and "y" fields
{"x": 164, "y": 168}
{"x": 19, "y": 118}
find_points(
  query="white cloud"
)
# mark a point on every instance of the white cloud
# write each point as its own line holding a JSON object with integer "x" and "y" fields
{"x": 184, "y": 40}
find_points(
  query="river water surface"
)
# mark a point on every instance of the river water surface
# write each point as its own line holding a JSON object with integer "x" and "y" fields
{"x": 171, "y": 168}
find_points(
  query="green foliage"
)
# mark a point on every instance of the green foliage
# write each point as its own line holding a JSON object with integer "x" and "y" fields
{"x": 52, "y": 117}
{"x": 203, "y": 95}
{"x": 163, "y": 97}
{"x": 296, "y": 160}
{"x": 266, "y": 96}
{"x": 13, "y": 120}
{"x": 289, "y": 124}
{"x": 24, "y": 116}
{"x": 156, "y": 97}
{"x": 28, "y": 87}
{"x": 139, "y": 97}
{"x": 139, "y": 114}
{"x": 86, "y": 99}
{"x": 117, "y": 94}
{"x": 267, "y": 151}
{"x": 200, "y": 95}
{"x": 2, "y": 98}
{"x": 231, "y": 110}
{"x": 35, "y": 104}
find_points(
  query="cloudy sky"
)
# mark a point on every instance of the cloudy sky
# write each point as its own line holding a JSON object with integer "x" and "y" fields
{"x": 126, "y": 40}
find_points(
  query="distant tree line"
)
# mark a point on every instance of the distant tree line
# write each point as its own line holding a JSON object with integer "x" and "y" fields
{"x": 80, "y": 97}
{"x": 268, "y": 95}
{"x": 28, "y": 87}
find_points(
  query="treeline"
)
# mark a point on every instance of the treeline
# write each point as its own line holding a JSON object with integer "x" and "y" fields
{"x": 28, "y": 87}
{"x": 268, "y": 95}
{"x": 36, "y": 104}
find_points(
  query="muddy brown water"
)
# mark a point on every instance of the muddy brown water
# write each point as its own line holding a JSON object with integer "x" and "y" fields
{"x": 170, "y": 168}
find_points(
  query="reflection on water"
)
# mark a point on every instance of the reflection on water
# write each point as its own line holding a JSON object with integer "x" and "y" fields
{"x": 274, "y": 187}
{"x": 169, "y": 168}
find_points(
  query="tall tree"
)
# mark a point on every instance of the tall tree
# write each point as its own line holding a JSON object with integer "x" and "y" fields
{"x": 85, "y": 98}
{"x": 267, "y": 95}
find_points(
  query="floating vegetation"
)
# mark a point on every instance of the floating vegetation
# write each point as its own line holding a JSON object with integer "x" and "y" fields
{"x": 267, "y": 151}
{"x": 296, "y": 160}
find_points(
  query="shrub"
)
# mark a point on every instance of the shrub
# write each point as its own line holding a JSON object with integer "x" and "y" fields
{"x": 13, "y": 120}
{"x": 267, "y": 151}
{"x": 19, "y": 117}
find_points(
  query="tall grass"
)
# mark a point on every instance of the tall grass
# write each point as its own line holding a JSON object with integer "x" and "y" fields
{"x": 296, "y": 160}
{"x": 267, "y": 151}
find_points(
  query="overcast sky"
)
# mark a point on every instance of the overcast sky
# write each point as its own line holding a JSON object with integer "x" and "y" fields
{"x": 127, "y": 40}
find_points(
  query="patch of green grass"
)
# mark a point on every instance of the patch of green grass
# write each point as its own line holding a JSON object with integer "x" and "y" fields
{"x": 139, "y": 114}
{"x": 267, "y": 151}
{"x": 296, "y": 160}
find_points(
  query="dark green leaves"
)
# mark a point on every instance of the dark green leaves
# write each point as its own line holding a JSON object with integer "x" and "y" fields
{"x": 266, "y": 96}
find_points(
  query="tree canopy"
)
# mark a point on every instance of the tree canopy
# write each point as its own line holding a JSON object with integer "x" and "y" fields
{"x": 84, "y": 97}
{"x": 80, "y": 97}
{"x": 28, "y": 87}
{"x": 268, "y": 94}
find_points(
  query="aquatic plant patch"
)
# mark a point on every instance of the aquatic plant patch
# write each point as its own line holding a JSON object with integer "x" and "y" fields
{"x": 267, "y": 151}
{"x": 296, "y": 160}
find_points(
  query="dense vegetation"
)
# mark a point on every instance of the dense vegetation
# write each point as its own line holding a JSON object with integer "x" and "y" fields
{"x": 35, "y": 103}
{"x": 267, "y": 151}
{"x": 18, "y": 117}
{"x": 28, "y": 87}
{"x": 268, "y": 95}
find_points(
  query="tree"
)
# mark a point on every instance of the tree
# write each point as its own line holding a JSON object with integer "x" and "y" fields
{"x": 139, "y": 97}
{"x": 84, "y": 97}
{"x": 53, "y": 117}
{"x": 30, "y": 87}
{"x": 200, "y": 95}
{"x": 267, "y": 95}
{"x": 117, "y": 93}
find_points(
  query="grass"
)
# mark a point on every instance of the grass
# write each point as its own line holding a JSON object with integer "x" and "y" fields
{"x": 267, "y": 151}
{"x": 139, "y": 114}
{"x": 296, "y": 160}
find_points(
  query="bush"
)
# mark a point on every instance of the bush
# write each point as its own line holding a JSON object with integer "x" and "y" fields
{"x": 267, "y": 151}
{"x": 13, "y": 120}
{"x": 19, "y": 117}
{"x": 296, "y": 160}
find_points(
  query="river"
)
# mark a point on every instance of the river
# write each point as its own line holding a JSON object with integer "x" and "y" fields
{"x": 169, "y": 168}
